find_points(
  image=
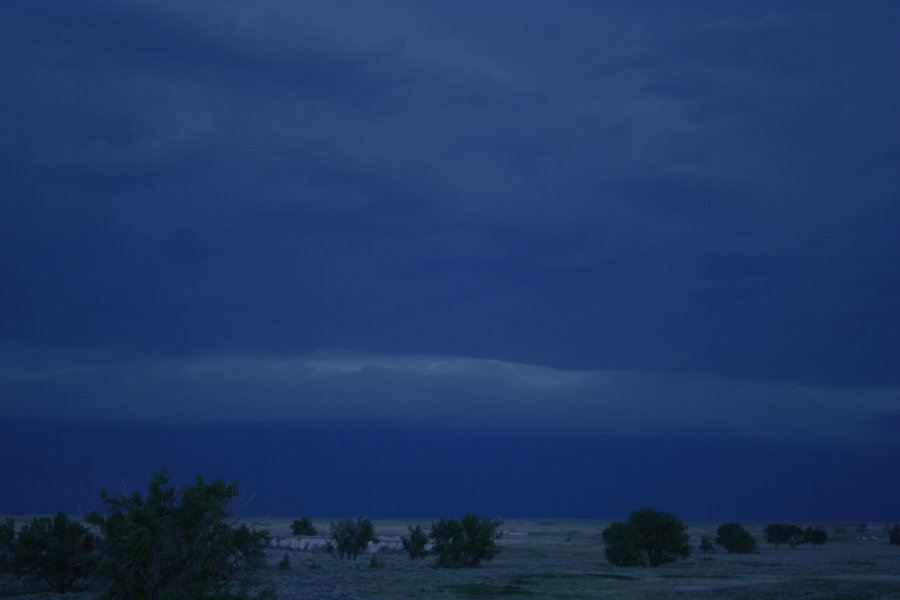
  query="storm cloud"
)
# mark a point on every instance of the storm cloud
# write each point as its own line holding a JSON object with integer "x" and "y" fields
{"x": 701, "y": 189}
{"x": 666, "y": 219}
{"x": 459, "y": 393}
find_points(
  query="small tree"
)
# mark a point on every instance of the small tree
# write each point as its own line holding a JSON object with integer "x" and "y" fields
{"x": 649, "y": 537}
{"x": 303, "y": 526}
{"x": 350, "y": 538}
{"x": 783, "y": 533}
{"x": 894, "y": 535}
{"x": 465, "y": 543}
{"x": 415, "y": 542}
{"x": 735, "y": 539}
{"x": 707, "y": 546}
{"x": 814, "y": 535}
{"x": 58, "y": 551}
{"x": 176, "y": 543}
{"x": 7, "y": 538}
{"x": 622, "y": 545}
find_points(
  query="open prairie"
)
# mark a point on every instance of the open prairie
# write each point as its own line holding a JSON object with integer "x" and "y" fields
{"x": 563, "y": 559}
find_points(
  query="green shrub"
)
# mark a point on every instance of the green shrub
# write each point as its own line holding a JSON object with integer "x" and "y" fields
{"x": 415, "y": 543}
{"x": 7, "y": 538}
{"x": 349, "y": 538}
{"x": 894, "y": 535}
{"x": 706, "y": 545}
{"x": 58, "y": 551}
{"x": 814, "y": 535}
{"x": 735, "y": 539}
{"x": 783, "y": 533}
{"x": 465, "y": 543}
{"x": 285, "y": 563}
{"x": 622, "y": 545}
{"x": 648, "y": 537}
{"x": 177, "y": 543}
{"x": 303, "y": 526}
{"x": 375, "y": 562}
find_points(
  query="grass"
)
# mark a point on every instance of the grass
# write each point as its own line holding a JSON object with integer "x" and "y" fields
{"x": 758, "y": 563}
{"x": 698, "y": 576}
{"x": 571, "y": 577}
{"x": 486, "y": 590}
{"x": 564, "y": 560}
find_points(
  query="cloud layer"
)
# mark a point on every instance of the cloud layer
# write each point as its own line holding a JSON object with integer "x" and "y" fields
{"x": 455, "y": 392}
{"x": 687, "y": 213}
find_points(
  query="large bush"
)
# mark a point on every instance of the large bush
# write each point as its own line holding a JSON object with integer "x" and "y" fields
{"x": 735, "y": 539}
{"x": 622, "y": 543}
{"x": 814, "y": 535}
{"x": 465, "y": 543}
{"x": 894, "y": 535}
{"x": 182, "y": 544}
{"x": 58, "y": 551}
{"x": 7, "y": 537}
{"x": 783, "y": 533}
{"x": 415, "y": 543}
{"x": 649, "y": 537}
{"x": 350, "y": 538}
{"x": 303, "y": 526}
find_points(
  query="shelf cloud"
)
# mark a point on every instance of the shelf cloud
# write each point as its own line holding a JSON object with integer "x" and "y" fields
{"x": 454, "y": 392}
{"x": 660, "y": 219}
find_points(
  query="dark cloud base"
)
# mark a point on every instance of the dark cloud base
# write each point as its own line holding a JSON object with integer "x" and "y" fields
{"x": 339, "y": 468}
{"x": 695, "y": 187}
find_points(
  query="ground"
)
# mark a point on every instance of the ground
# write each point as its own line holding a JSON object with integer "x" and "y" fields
{"x": 564, "y": 560}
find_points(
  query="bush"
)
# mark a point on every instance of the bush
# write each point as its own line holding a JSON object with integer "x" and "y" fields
{"x": 648, "y": 537}
{"x": 7, "y": 537}
{"x": 706, "y": 545}
{"x": 814, "y": 535}
{"x": 177, "y": 543}
{"x": 415, "y": 543}
{"x": 735, "y": 539}
{"x": 303, "y": 526}
{"x": 894, "y": 535}
{"x": 622, "y": 545}
{"x": 465, "y": 543}
{"x": 783, "y": 533}
{"x": 58, "y": 551}
{"x": 350, "y": 538}
{"x": 285, "y": 563}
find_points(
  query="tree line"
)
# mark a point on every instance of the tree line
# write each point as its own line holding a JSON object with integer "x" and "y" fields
{"x": 652, "y": 538}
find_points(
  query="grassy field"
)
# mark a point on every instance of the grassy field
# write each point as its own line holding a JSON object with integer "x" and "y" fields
{"x": 564, "y": 560}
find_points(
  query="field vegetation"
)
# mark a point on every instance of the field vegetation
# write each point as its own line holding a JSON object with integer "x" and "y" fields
{"x": 563, "y": 559}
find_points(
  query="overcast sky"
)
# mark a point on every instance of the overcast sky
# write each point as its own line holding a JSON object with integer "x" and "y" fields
{"x": 672, "y": 218}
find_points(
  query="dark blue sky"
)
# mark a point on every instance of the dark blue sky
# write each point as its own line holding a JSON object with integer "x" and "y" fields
{"x": 571, "y": 228}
